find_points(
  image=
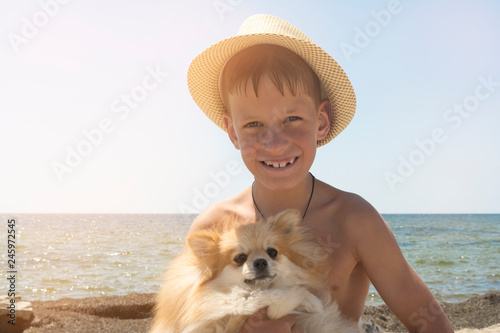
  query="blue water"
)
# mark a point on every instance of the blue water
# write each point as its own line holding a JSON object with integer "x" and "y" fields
{"x": 456, "y": 255}
{"x": 73, "y": 255}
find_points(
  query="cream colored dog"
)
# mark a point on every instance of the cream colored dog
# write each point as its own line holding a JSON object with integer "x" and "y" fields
{"x": 231, "y": 271}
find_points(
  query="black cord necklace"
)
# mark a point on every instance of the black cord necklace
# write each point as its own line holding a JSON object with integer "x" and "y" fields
{"x": 308, "y": 203}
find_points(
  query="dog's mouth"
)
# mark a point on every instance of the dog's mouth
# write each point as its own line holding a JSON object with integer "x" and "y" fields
{"x": 259, "y": 279}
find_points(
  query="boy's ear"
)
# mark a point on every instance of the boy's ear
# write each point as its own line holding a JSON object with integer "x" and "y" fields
{"x": 324, "y": 116}
{"x": 228, "y": 123}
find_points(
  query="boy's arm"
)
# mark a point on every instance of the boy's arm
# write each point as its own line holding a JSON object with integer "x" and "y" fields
{"x": 398, "y": 284}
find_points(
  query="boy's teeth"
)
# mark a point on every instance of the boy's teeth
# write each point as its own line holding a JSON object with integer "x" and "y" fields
{"x": 280, "y": 165}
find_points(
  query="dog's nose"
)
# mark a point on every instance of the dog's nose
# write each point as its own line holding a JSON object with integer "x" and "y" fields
{"x": 260, "y": 264}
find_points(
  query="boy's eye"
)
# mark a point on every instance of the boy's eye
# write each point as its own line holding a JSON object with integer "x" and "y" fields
{"x": 293, "y": 118}
{"x": 272, "y": 252}
{"x": 240, "y": 259}
{"x": 252, "y": 124}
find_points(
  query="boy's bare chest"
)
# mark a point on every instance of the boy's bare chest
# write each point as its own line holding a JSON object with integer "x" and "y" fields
{"x": 346, "y": 282}
{"x": 341, "y": 262}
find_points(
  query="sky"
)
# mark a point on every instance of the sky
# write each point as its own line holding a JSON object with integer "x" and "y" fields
{"x": 96, "y": 116}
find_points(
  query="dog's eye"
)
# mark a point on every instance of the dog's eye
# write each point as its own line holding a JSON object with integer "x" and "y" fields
{"x": 272, "y": 252}
{"x": 240, "y": 258}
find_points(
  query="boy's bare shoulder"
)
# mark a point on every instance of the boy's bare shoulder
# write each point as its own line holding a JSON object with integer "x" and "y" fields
{"x": 348, "y": 208}
{"x": 359, "y": 221}
{"x": 209, "y": 217}
{"x": 217, "y": 212}
{"x": 345, "y": 202}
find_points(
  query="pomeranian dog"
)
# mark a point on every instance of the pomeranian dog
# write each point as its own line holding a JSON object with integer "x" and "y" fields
{"x": 232, "y": 270}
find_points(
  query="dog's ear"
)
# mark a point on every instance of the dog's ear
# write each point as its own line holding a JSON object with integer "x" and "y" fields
{"x": 205, "y": 247}
{"x": 285, "y": 222}
{"x": 203, "y": 243}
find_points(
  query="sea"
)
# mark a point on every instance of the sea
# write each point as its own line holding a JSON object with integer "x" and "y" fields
{"x": 89, "y": 255}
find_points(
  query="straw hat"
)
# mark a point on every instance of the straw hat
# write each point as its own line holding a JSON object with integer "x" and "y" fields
{"x": 204, "y": 71}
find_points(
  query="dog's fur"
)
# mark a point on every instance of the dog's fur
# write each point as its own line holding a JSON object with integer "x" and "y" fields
{"x": 211, "y": 288}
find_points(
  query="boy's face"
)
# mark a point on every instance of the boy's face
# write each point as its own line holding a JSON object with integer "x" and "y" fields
{"x": 276, "y": 134}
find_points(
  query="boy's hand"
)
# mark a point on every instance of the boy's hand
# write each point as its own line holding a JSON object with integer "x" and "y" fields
{"x": 259, "y": 322}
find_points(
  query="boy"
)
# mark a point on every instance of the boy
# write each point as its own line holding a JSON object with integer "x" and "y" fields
{"x": 279, "y": 97}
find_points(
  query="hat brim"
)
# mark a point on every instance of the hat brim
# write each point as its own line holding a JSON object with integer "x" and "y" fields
{"x": 204, "y": 71}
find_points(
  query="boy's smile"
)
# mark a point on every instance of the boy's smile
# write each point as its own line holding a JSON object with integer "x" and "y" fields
{"x": 277, "y": 135}
{"x": 277, "y": 164}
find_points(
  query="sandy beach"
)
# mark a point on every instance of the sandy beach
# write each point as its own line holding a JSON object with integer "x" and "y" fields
{"x": 132, "y": 314}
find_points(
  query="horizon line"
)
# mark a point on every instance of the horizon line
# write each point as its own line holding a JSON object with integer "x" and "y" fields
{"x": 197, "y": 213}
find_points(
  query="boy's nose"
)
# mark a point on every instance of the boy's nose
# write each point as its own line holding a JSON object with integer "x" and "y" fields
{"x": 273, "y": 138}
